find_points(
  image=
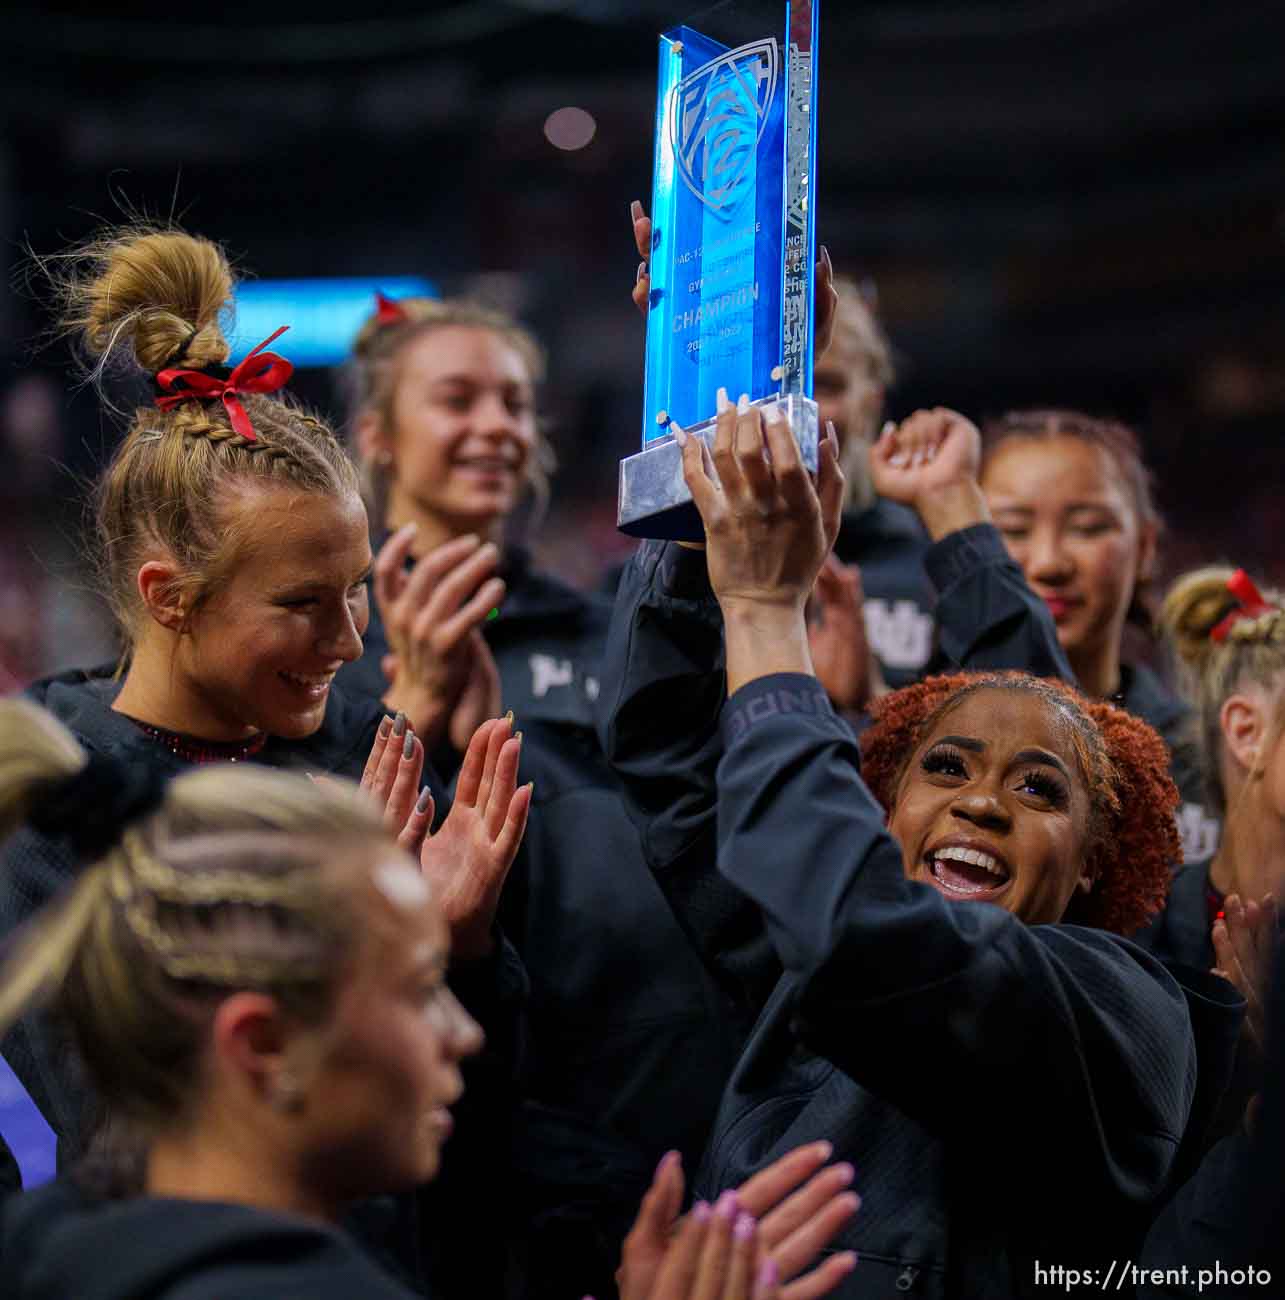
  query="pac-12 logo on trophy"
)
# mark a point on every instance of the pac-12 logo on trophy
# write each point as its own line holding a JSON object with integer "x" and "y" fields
{"x": 719, "y": 112}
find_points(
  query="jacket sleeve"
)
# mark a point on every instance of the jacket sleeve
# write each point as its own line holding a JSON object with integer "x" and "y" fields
{"x": 663, "y": 687}
{"x": 955, "y": 1012}
{"x": 987, "y": 617}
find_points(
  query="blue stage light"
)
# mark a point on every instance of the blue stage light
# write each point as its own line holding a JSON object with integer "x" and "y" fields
{"x": 324, "y": 315}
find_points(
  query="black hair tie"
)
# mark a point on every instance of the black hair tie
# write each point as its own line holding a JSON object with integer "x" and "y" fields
{"x": 177, "y": 355}
{"x": 94, "y": 806}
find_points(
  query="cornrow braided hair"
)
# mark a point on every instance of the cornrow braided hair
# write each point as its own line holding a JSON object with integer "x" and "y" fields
{"x": 234, "y": 880}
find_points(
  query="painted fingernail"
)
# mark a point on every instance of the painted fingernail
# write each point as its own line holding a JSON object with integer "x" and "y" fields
{"x": 726, "y": 1207}
{"x": 701, "y": 1211}
{"x": 832, "y": 434}
{"x": 508, "y": 717}
{"x": 530, "y": 785}
{"x": 889, "y": 426}
{"x": 425, "y": 798}
{"x": 767, "y": 1274}
{"x": 636, "y": 210}
{"x": 385, "y": 727}
{"x": 408, "y": 748}
{"x": 721, "y": 401}
{"x": 399, "y": 726}
{"x": 744, "y": 1228}
{"x": 824, "y": 1149}
{"x": 517, "y": 735}
{"x": 899, "y": 460}
{"x": 743, "y": 404}
{"x": 845, "y": 1173}
{"x": 642, "y": 270}
{"x": 666, "y": 1161}
{"x": 680, "y": 434}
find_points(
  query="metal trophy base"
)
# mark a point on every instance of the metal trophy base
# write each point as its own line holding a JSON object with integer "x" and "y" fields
{"x": 654, "y": 500}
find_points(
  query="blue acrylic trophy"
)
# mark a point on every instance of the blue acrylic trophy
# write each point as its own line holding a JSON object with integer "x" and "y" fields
{"x": 733, "y": 242}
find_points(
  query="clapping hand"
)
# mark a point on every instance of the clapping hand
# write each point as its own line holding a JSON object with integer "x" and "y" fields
{"x": 785, "y": 1216}
{"x": 468, "y": 859}
{"x": 1244, "y": 942}
{"x": 440, "y": 671}
{"x": 841, "y": 655}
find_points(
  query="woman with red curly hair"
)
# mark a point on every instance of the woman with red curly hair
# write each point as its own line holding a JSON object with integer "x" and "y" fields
{"x": 945, "y": 993}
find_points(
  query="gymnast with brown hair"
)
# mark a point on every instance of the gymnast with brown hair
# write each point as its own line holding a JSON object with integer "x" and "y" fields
{"x": 935, "y": 950}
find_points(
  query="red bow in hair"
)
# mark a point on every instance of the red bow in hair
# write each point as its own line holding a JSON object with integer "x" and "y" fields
{"x": 258, "y": 372}
{"x": 1249, "y": 600}
{"x": 389, "y": 312}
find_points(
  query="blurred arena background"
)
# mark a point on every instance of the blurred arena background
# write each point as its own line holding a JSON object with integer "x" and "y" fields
{"x": 1077, "y": 202}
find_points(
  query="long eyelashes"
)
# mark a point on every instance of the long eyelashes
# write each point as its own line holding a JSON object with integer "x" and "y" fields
{"x": 1046, "y": 786}
{"x": 946, "y": 760}
{"x": 943, "y": 759}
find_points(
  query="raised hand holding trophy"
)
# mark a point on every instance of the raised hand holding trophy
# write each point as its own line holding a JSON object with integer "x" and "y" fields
{"x": 732, "y": 242}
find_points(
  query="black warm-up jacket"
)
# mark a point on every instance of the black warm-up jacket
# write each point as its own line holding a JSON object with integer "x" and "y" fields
{"x": 10, "y": 1174}
{"x": 37, "y": 868}
{"x": 59, "y": 1242}
{"x": 629, "y": 1040}
{"x": 888, "y": 543}
{"x": 1006, "y": 1093}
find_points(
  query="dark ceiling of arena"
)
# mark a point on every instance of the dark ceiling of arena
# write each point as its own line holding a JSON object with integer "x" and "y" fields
{"x": 1073, "y": 200}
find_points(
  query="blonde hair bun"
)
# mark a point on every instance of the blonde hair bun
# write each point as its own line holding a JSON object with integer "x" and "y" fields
{"x": 155, "y": 290}
{"x": 1193, "y": 606}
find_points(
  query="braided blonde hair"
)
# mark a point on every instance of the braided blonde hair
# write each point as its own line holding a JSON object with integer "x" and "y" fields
{"x": 239, "y": 880}
{"x": 1253, "y": 651}
{"x": 151, "y": 297}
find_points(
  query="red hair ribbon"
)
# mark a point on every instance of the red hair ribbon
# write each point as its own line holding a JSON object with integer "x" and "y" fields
{"x": 388, "y": 311}
{"x": 1250, "y": 604}
{"x": 257, "y": 372}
